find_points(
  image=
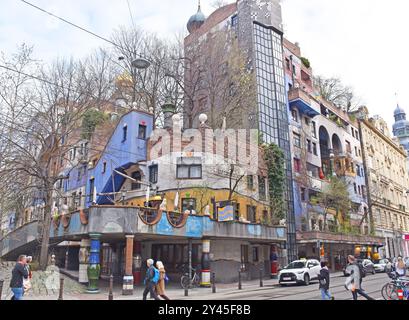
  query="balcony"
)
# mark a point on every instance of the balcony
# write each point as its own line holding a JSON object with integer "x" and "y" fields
{"x": 301, "y": 100}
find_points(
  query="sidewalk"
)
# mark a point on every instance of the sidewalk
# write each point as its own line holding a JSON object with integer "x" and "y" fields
{"x": 173, "y": 291}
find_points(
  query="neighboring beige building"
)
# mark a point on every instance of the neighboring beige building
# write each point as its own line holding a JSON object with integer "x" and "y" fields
{"x": 388, "y": 183}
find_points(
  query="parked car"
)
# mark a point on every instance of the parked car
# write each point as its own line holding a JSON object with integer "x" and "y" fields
{"x": 383, "y": 265}
{"x": 300, "y": 272}
{"x": 368, "y": 265}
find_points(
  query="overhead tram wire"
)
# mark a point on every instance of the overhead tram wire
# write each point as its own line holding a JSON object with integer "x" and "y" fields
{"x": 80, "y": 28}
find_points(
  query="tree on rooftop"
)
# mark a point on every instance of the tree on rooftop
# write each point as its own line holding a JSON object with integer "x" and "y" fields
{"x": 334, "y": 91}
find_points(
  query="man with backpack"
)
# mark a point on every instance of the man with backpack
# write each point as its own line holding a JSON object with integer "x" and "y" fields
{"x": 324, "y": 279}
{"x": 354, "y": 281}
{"x": 151, "y": 280}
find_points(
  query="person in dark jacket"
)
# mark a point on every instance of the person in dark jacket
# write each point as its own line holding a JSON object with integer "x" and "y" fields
{"x": 19, "y": 273}
{"x": 149, "y": 284}
{"x": 324, "y": 279}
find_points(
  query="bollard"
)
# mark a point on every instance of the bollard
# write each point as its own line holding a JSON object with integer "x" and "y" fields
{"x": 61, "y": 288}
{"x": 239, "y": 280}
{"x": 213, "y": 282}
{"x": 261, "y": 277}
{"x": 1, "y": 287}
{"x": 111, "y": 284}
{"x": 186, "y": 292}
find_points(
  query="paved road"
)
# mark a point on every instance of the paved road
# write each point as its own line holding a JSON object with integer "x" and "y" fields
{"x": 372, "y": 285}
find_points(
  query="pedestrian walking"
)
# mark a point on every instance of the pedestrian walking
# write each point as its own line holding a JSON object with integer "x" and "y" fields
{"x": 400, "y": 267}
{"x": 151, "y": 279}
{"x": 19, "y": 273}
{"x": 27, "y": 282}
{"x": 324, "y": 279}
{"x": 353, "y": 282}
{"x": 160, "y": 287}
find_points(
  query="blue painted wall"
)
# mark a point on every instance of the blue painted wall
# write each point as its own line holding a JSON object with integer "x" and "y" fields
{"x": 120, "y": 155}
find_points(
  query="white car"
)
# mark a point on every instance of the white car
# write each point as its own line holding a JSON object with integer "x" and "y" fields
{"x": 383, "y": 265}
{"x": 300, "y": 271}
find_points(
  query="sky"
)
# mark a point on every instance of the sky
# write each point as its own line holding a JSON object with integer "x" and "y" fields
{"x": 364, "y": 42}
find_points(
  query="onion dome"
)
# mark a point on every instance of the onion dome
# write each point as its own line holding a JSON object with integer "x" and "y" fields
{"x": 196, "y": 21}
{"x": 398, "y": 111}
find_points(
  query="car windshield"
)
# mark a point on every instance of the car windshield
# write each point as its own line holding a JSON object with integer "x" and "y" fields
{"x": 296, "y": 265}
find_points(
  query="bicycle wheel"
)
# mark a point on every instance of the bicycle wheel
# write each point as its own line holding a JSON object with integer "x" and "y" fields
{"x": 185, "y": 282}
{"x": 389, "y": 292}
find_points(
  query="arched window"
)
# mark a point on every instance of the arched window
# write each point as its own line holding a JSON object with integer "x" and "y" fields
{"x": 137, "y": 176}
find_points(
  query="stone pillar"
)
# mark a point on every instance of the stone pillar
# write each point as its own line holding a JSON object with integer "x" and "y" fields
{"x": 83, "y": 257}
{"x": 206, "y": 272}
{"x": 127, "y": 287}
{"x": 94, "y": 268}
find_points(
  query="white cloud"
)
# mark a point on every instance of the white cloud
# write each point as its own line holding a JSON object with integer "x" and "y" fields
{"x": 362, "y": 41}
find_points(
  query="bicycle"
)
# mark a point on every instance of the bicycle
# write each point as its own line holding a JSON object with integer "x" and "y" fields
{"x": 396, "y": 288}
{"x": 188, "y": 283}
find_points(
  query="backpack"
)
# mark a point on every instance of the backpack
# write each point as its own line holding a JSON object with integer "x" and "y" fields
{"x": 362, "y": 273}
{"x": 156, "y": 277}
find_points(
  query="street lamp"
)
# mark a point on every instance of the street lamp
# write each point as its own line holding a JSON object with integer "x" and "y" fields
{"x": 141, "y": 63}
{"x": 138, "y": 63}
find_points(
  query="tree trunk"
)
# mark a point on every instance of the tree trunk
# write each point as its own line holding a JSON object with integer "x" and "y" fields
{"x": 45, "y": 239}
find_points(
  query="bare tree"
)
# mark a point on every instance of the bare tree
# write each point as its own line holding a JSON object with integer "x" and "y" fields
{"x": 149, "y": 88}
{"x": 40, "y": 143}
{"x": 334, "y": 91}
{"x": 221, "y": 84}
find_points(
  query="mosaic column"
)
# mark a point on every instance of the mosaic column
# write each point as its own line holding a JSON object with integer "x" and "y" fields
{"x": 205, "y": 281}
{"x": 94, "y": 268}
{"x": 127, "y": 287}
{"x": 83, "y": 258}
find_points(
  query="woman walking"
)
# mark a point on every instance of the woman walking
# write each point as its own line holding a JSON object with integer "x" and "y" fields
{"x": 160, "y": 287}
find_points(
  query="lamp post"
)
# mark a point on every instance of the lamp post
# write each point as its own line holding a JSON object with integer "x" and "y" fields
{"x": 123, "y": 195}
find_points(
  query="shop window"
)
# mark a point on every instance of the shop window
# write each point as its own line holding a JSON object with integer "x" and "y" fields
{"x": 244, "y": 253}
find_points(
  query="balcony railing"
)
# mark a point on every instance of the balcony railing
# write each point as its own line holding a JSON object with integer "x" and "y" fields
{"x": 150, "y": 216}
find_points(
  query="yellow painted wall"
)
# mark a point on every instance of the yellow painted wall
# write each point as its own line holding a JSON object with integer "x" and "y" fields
{"x": 203, "y": 197}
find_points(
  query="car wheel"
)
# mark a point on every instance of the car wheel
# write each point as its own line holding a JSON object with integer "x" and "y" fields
{"x": 306, "y": 279}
